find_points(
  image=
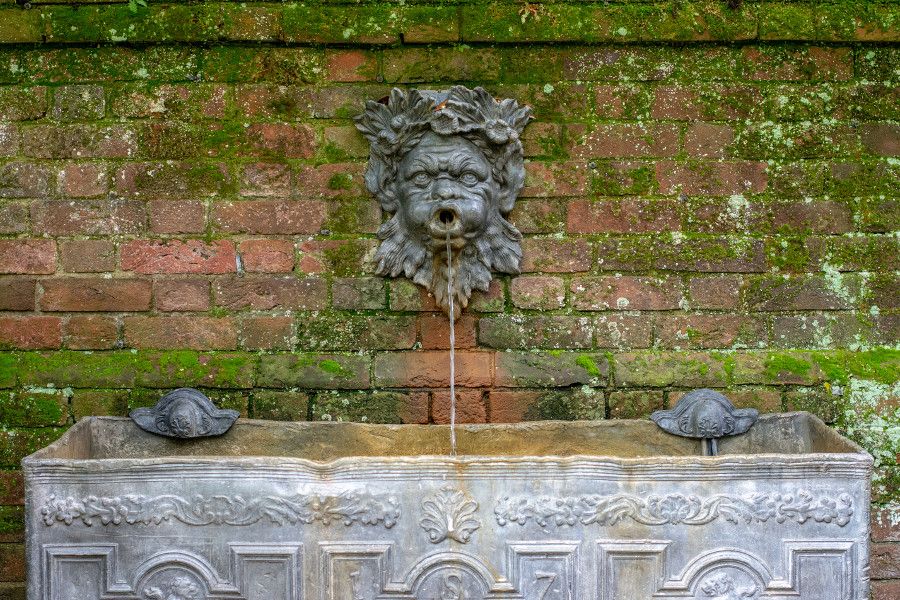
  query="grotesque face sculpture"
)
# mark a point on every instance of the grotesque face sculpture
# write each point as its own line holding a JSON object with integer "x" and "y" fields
{"x": 447, "y": 167}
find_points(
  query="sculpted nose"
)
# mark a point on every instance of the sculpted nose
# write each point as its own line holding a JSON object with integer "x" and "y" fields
{"x": 444, "y": 192}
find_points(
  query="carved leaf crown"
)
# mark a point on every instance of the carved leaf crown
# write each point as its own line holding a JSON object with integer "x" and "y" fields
{"x": 394, "y": 126}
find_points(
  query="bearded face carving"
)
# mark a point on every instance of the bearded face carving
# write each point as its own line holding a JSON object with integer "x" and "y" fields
{"x": 447, "y": 167}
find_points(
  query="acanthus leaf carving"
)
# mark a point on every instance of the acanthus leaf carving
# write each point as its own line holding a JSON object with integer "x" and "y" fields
{"x": 349, "y": 507}
{"x": 674, "y": 509}
{"x": 450, "y": 514}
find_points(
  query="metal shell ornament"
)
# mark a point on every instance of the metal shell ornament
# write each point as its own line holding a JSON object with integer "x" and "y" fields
{"x": 705, "y": 414}
{"x": 184, "y": 413}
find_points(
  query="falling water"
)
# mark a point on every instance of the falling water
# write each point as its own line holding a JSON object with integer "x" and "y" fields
{"x": 452, "y": 350}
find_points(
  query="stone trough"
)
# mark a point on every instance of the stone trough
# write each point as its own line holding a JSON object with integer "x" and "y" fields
{"x": 532, "y": 511}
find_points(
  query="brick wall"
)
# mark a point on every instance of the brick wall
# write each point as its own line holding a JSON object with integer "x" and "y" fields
{"x": 711, "y": 201}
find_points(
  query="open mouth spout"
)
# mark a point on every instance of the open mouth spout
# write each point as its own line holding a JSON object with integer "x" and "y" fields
{"x": 446, "y": 223}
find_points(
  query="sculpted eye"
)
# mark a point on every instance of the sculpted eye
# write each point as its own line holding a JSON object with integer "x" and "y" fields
{"x": 469, "y": 178}
{"x": 421, "y": 178}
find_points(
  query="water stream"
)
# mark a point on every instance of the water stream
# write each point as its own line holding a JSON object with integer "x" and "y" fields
{"x": 452, "y": 349}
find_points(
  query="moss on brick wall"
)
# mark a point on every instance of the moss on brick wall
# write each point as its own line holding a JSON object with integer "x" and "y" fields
{"x": 711, "y": 200}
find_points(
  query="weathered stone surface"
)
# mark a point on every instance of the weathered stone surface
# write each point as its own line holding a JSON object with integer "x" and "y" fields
{"x": 392, "y": 487}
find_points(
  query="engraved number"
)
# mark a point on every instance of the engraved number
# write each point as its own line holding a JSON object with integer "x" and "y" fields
{"x": 549, "y": 578}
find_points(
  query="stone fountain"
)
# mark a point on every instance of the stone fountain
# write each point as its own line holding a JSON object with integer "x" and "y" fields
{"x": 181, "y": 502}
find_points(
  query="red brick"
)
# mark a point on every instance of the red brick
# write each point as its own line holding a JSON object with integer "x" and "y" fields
{"x": 78, "y": 103}
{"x": 267, "y": 256}
{"x": 888, "y": 589}
{"x": 30, "y": 333}
{"x": 175, "y": 295}
{"x": 734, "y": 214}
{"x": 711, "y": 178}
{"x": 89, "y": 217}
{"x": 625, "y": 293}
{"x": 83, "y": 180}
{"x": 91, "y": 332}
{"x": 623, "y": 331}
{"x": 884, "y": 527}
{"x": 627, "y": 140}
{"x": 169, "y": 333}
{"x": 539, "y": 216}
{"x": 177, "y": 216}
{"x": 823, "y": 216}
{"x": 172, "y": 180}
{"x": 24, "y": 180}
{"x": 432, "y": 369}
{"x": 12, "y": 488}
{"x": 27, "y": 256}
{"x": 266, "y": 180}
{"x": 800, "y": 293}
{"x": 267, "y": 333}
{"x": 555, "y": 256}
{"x": 351, "y": 65}
{"x": 270, "y": 217}
{"x": 881, "y": 138}
{"x": 79, "y": 141}
{"x": 174, "y": 256}
{"x": 434, "y": 331}
{"x": 470, "y": 406}
{"x": 341, "y": 257}
{"x": 13, "y": 217}
{"x": 87, "y": 256}
{"x": 281, "y": 140}
{"x": 619, "y": 101}
{"x": 718, "y": 102}
{"x": 23, "y": 103}
{"x": 266, "y": 293}
{"x": 9, "y": 140}
{"x": 634, "y": 404}
{"x": 414, "y": 408}
{"x": 709, "y": 331}
{"x": 95, "y": 294}
{"x": 708, "y": 140}
{"x": 171, "y": 101}
{"x": 17, "y": 293}
{"x": 331, "y": 180}
{"x": 358, "y": 293}
{"x": 554, "y": 179}
{"x": 629, "y": 215}
{"x": 722, "y": 292}
{"x": 407, "y": 296}
{"x": 711, "y": 255}
{"x": 511, "y": 406}
{"x": 812, "y": 63}
{"x": 539, "y": 293}
{"x": 12, "y": 563}
{"x": 347, "y": 139}
{"x": 535, "y": 331}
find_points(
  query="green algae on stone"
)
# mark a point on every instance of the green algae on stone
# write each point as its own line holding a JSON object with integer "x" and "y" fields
{"x": 360, "y": 407}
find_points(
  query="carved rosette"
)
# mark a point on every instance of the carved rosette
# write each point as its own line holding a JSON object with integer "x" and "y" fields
{"x": 450, "y": 514}
{"x": 674, "y": 509}
{"x": 350, "y": 507}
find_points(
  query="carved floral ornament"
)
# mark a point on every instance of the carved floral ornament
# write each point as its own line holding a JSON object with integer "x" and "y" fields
{"x": 447, "y": 167}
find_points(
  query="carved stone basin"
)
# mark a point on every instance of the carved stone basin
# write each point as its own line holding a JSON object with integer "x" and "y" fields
{"x": 532, "y": 511}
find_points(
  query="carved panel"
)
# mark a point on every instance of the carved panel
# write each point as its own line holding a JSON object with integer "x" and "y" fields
{"x": 85, "y": 572}
{"x": 809, "y": 570}
{"x": 674, "y": 509}
{"x": 534, "y": 571}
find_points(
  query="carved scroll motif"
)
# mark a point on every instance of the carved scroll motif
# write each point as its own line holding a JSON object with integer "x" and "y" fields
{"x": 674, "y": 509}
{"x": 348, "y": 508}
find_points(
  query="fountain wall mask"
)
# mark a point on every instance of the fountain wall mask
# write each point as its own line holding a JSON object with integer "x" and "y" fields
{"x": 446, "y": 166}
